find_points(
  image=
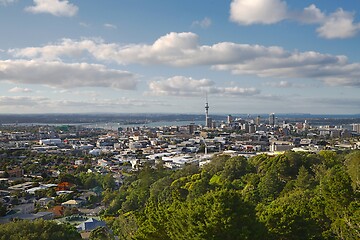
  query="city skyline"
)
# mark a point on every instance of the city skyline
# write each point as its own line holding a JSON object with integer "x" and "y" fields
{"x": 138, "y": 56}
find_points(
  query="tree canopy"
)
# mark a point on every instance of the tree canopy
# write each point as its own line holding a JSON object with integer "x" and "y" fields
{"x": 289, "y": 196}
{"x": 37, "y": 230}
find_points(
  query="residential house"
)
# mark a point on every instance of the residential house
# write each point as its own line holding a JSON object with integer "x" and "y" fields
{"x": 90, "y": 224}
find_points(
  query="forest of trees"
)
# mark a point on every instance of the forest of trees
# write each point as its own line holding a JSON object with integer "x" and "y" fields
{"x": 289, "y": 196}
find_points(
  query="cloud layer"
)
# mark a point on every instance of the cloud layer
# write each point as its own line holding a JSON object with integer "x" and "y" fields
{"x": 20, "y": 90}
{"x": 339, "y": 24}
{"x": 183, "y": 50}
{"x": 21, "y": 101}
{"x": 57, "y": 8}
{"x": 186, "y": 86}
{"x": 110, "y": 26}
{"x": 248, "y": 12}
{"x": 63, "y": 75}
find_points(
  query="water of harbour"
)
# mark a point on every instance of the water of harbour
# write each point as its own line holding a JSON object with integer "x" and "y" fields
{"x": 114, "y": 126}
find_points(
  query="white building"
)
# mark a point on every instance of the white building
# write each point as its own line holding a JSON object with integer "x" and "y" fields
{"x": 51, "y": 142}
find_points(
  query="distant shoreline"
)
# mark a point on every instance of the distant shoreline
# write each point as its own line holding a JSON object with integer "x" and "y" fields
{"x": 149, "y": 119}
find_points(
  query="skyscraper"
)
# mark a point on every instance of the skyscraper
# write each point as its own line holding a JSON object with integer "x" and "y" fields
{"x": 257, "y": 120}
{"x": 191, "y": 128}
{"x": 272, "y": 119}
{"x": 356, "y": 127}
{"x": 229, "y": 119}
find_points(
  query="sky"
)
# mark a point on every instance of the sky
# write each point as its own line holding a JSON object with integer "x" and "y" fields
{"x": 168, "y": 56}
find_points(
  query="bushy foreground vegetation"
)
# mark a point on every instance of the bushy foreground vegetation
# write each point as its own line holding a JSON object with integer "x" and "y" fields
{"x": 37, "y": 230}
{"x": 289, "y": 196}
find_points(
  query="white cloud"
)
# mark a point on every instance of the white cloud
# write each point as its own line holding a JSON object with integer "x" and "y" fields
{"x": 234, "y": 91}
{"x": 7, "y": 2}
{"x": 285, "y": 84}
{"x": 183, "y": 49}
{"x": 6, "y": 101}
{"x": 81, "y": 93}
{"x": 176, "y": 49}
{"x": 55, "y": 7}
{"x": 63, "y": 75}
{"x": 85, "y": 25}
{"x": 20, "y": 90}
{"x": 67, "y": 47}
{"x": 288, "y": 84}
{"x": 335, "y": 72}
{"x": 246, "y": 12}
{"x": 204, "y": 23}
{"x": 180, "y": 86}
{"x": 186, "y": 86}
{"x": 310, "y": 15}
{"x": 339, "y": 24}
{"x": 110, "y": 26}
{"x": 281, "y": 84}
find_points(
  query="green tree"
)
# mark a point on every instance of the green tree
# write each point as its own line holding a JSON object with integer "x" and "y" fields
{"x": 348, "y": 226}
{"x": 286, "y": 165}
{"x": 260, "y": 162}
{"x": 215, "y": 215}
{"x": 108, "y": 182}
{"x": 304, "y": 179}
{"x": 125, "y": 226}
{"x": 89, "y": 180}
{"x": 2, "y": 209}
{"x": 51, "y": 192}
{"x": 160, "y": 191}
{"x": 352, "y": 162}
{"x": 216, "y": 164}
{"x": 69, "y": 178}
{"x": 37, "y": 230}
{"x": 270, "y": 186}
{"x": 330, "y": 158}
{"x": 336, "y": 188}
{"x": 235, "y": 168}
{"x": 250, "y": 192}
{"x": 101, "y": 233}
{"x": 289, "y": 217}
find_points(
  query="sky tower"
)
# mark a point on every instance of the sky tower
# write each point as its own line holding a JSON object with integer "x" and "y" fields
{"x": 206, "y": 109}
{"x": 208, "y": 120}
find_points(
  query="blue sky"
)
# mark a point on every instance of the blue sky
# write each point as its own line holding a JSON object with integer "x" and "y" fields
{"x": 164, "y": 56}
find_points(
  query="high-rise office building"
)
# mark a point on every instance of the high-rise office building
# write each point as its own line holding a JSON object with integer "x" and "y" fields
{"x": 306, "y": 125}
{"x": 272, "y": 119}
{"x": 230, "y": 119}
{"x": 257, "y": 120}
{"x": 356, "y": 127}
{"x": 191, "y": 128}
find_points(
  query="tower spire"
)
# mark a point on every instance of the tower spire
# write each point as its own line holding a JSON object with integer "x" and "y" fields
{"x": 208, "y": 120}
